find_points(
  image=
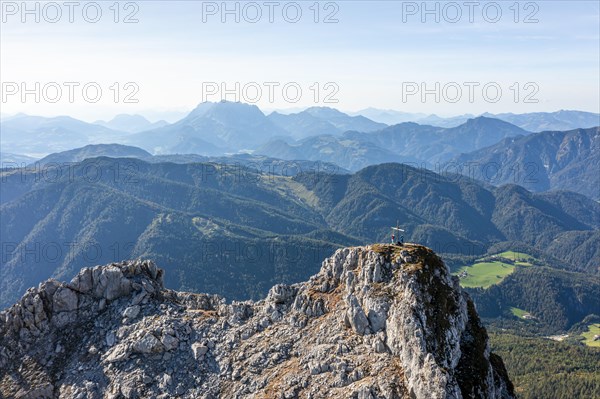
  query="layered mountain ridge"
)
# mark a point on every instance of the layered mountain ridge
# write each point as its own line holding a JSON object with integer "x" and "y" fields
{"x": 380, "y": 321}
{"x": 543, "y": 161}
{"x": 405, "y": 142}
{"x": 258, "y": 227}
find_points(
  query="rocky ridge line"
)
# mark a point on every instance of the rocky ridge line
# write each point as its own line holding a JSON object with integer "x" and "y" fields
{"x": 380, "y": 321}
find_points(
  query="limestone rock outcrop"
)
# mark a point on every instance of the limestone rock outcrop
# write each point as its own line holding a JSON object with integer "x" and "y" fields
{"x": 379, "y": 321}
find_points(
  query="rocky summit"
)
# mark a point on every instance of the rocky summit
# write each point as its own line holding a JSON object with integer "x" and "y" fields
{"x": 380, "y": 321}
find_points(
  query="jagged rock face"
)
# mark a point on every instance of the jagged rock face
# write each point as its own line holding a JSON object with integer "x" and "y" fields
{"x": 375, "y": 322}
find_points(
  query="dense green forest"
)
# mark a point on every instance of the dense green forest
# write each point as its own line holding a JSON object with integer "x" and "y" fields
{"x": 236, "y": 232}
{"x": 544, "y": 369}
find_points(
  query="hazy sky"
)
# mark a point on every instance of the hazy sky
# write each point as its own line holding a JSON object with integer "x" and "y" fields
{"x": 377, "y": 54}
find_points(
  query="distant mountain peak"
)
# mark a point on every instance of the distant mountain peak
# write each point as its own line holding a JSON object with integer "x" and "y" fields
{"x": 323, "y": 111}
{"x": 488, "y": 121}
{"x": 482, "y": 118}
{"x": 95, "y": 150}
{"x": 130, "y": 117}
{"x": 131, "y": 123}
{"x": 207, "y": 107}
{"x": 543, "y": 161}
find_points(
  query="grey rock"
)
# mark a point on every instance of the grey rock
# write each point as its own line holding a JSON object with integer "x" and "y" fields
{"x": 148, "y": 343}
{"x": 356, "y": 316}
{"x": 169, "y": 342}
{"x": 83, "y": 282}
{"x": 111, "y": 284}
{"x": 281, "y": 293}
{"x": 64, "y": 300}
{"x": 199, "y": 350}
{"x": 362, "y": 328}
{"x": 376, "y": 313}
{"x": 138, "y": 298}
{"x": 131, "y": 312}
{"x": 118, "y": 353}
{"x": 110, "y": 338}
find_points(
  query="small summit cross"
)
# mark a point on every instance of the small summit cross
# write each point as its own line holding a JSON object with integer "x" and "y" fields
{"x": 399, "y": 240}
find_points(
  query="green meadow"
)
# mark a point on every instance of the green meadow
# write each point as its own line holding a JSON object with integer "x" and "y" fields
{"x": 492, "y": 269}
{"x": 518, "y": 312}
{"x": 588, "y": 336}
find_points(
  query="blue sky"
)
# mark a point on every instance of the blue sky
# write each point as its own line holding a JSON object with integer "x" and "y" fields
{"x": 370, "y": 57}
